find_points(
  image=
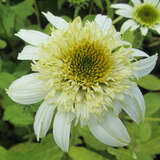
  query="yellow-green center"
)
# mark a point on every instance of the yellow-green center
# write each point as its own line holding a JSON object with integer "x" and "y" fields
{"x": 87, "y": 63}
{"x": 147, "y": 14}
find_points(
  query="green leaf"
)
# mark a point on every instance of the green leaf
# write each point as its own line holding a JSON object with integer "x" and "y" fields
{"x": 81, "y": 153}
{"x": 110, "y": 10}
{"x": 143, "y": 156}
{"x": 3, "y": 153}
{"x": 46, "y": 150}
{"x": 89, "y": 17}
{"x": 149, "y": 82}
{"x": 152, "y": 101}
{"x": 3, "y": 44}
{"x": 60, "y": 3}
{"x": 145, "y": 131}
{"x": 121, "y": 154}
{"x": 152, "y": 146}
{"x": 17, "y": 115}
{"x": 98, "y": 4}
{"x": 134, "y": 37}
{"x": 6, "y": 79}
{"x": 0, "y": 65}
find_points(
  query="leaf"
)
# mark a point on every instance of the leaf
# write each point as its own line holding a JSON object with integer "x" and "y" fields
{"x": 143, "y": 156}
{"x": 6, "y": 79}
{"x": 134, "y": 37}
{"x": 3, "y": 44}
{"x": 0, "y": 65}
{"x": 3, "y": 153}
{"x": 152, "y": 146}
{"x": 98, "y": 4}
{"x": 145, "y": 131}
{"x": 121, "y": 154}
{"x": 60, "y": 3}
{"x": 149, "y": 82}
{"x": 46, "y": 150}
{"x": 89, "y": 17}
{"x": 81, "y": 153}
{"x": 110, "y": 10}
{"x": 152, "y": 101}
{"x": 17, "y": 115}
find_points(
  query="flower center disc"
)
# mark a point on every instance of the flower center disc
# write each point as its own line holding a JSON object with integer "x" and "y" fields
{"x": 88, "y": 63}
{"x": 147, "y": 14}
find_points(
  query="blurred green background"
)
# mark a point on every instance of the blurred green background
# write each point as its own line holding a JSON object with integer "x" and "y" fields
{"x": 17, "y": 139}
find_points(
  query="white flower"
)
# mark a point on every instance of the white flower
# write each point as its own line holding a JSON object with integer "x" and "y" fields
{"x": 85, "y": 74}
{"x": 144, "y": 15}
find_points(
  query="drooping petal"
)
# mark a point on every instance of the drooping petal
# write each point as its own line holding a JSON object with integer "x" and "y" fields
{"x": 124, "y": 10}
{"x": 28, "y": 53}
{"x": 43, "y": 119}
{"x": 32, "y": 37}
{"x": 56, "y": 21}
{"x": 129, "y": 24}
{"x": 133, "y": 104}
{"x": 144, "y": 66}
{"x": 139, "y": 53}
{"x": 144, "y": 30}
{"x": 27, "y": 90}
{"x": 109, "y": 130}
{"x": 61, "y": 129}
{"x": 136, "y": 2}
{"x": 104, "y": 22}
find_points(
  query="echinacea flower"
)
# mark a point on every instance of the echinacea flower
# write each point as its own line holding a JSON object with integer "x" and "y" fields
{"x": 83, "y": 73}
{"x": 144, "y": 15}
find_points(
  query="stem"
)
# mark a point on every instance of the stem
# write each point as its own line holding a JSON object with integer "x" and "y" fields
{"x": 117, "y": 20}
{"x": 76, "y": 11}
{"x": 155, "y": 43}
{"x": 37, "y": 12}
{"x": 91, "y": 8}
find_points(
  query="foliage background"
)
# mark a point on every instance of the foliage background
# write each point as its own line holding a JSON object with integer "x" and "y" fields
{"x": 17, "y": 139}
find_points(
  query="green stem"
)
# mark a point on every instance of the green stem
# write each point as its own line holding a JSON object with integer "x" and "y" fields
{"x": 155, "y": 43}
{"x": 91, "y": 7}
{"x": 37, "y": 12}
{"x": 117, "y": 20}
{"x": 76, "y": 11}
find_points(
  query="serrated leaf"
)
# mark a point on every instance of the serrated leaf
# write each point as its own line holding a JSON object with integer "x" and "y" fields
{"x": 6, "y": 79}
{"x": 121, "y": 154}
{"x": 89, "y": 17}
{"x": 17, "y": 115}
{"x": 46, "y": 150}
{"x": 81, "y": 153}
{"x": 152, "y": 101}
{"x": 3, "y": 153}
{"x": 149, "y": 82}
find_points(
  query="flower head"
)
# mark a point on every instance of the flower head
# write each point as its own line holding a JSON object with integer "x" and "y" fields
{"x": 86, "y": 73}
{"x": 144, "y": 15}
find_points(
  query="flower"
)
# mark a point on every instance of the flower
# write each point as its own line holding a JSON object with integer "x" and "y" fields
{"x": 145, "y": 15}
{"x": 84, "y": 73}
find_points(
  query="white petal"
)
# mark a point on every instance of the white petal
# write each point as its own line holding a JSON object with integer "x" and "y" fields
{"x": 43, "y": 119}
{"x": 136, "y": 2}
{"x": 139, "y": 53}
{"x": 154, "y": 2}
{"x": 144, "y": 66}
{"x": 28, "y": 53}
{"x": 144, "y": 30}
{"x": 27, "y": 90}
{"x": 133, "y": 104}
{"x": 129, "y": 24}
{"x": 104, "y": 22}
{"x": 56, "y": 21}
{"x": 109, "y": 130}
{"x": 157, "y": 28}
{"x": 61, "y": 129}
{"x": 32, "y": 37}
{"x": 124, "y": 10}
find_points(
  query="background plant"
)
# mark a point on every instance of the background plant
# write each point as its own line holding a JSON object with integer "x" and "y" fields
{"x": 17, "y": 139}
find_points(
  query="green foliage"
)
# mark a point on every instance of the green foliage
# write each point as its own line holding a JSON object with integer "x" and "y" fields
{"x": 149, "y": 82}
{"x": 3, "y": 44}
{"x": 81, "y": 153}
